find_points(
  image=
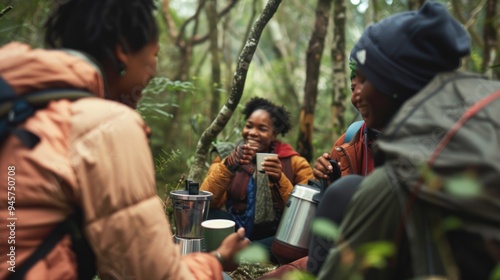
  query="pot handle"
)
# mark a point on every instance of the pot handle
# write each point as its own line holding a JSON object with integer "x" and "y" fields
{"x": 192, "y": 187}
{"x": 321, "y": 185}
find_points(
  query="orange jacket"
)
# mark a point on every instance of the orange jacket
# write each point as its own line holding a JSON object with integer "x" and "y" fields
{"x": 93, "y": 154}
{"x": 219, "y": 178}
{"x": 353, "y": 157}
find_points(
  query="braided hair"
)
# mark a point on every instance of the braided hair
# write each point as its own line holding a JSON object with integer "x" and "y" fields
{"x": 97, "y": 26}
{"x": 280, "y": 117}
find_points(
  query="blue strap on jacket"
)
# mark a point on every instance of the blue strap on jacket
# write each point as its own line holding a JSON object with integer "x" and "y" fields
{"x": 351, "y": 130}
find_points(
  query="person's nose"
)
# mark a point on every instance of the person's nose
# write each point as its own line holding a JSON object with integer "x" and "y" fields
{"x": 357, "y": 92}
{"x": 253, "y": 132}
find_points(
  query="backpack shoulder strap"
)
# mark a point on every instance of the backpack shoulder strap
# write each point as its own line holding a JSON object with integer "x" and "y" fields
{"x": 15, "y": 109}
{"x": 84, "y": 254}
{"x": 351, "y": 130}
{"x": 47, "y": 245}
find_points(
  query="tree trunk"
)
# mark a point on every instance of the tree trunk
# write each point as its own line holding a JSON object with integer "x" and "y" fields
{"x": 197, "y": 170}
{"x": 227, "y": 58}
{"x": 375, "y": 14}
{"x": 468, "y": 21}
{"x": 415, "y": 4}
{"x": 185, "y": 44}
{"x": 313, "y": 59}
{"x": 285, "y": 87}
{"x": 215, "y": 85}
{"x": 339, "y": 87}
{"x": 490, "y": 38}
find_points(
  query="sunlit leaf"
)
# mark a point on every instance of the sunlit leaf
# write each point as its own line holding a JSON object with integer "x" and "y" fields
{"x": 495, "y": 275}
{"x": 162, "y": 104}
{"x": 163, "y": 113}
{"x": 462, "y": 186}
{"x": 325, "y": 228}
{"x": 382, "y": 248}
{"x": 299, "y": 275}
{"x": 451, "y": 223}
{"x": 254, "y": 253}
{"x": 376, "y": 261}
{"x": 375, "y": 253}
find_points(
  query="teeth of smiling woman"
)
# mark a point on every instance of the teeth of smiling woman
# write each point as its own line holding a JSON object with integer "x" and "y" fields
{"x": 252, "y": 142}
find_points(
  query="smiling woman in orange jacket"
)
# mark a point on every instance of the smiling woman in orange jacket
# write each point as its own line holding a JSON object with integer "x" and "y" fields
{"x": 256, "y": 200}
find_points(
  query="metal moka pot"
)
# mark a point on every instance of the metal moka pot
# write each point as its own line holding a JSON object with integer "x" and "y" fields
{"x": 190, "y": 209}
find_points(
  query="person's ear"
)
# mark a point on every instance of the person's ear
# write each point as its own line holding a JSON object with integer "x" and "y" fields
{"x": 120, "y": 53}
{"x": 275, "y": 135}
{"x": 122, "y": 60}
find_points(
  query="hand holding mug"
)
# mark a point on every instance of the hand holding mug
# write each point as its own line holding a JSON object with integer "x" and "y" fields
{"x": 270, "y": 164}
{"x": 241, "y": 155}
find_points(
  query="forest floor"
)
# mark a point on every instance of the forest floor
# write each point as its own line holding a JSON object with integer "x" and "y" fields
{"x": 251, "y": 271}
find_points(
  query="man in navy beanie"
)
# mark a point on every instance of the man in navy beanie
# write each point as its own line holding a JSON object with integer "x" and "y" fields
{"x": 431, "y": 206}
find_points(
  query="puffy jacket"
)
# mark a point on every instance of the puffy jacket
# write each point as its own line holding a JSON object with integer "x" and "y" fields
{"x": 219, "y": 178}
{"x": 428, "y": 150}
{"x": 94, "y": 155}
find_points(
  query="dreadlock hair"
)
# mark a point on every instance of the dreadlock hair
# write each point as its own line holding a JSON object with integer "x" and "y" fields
{"x": 280, "y": 117}
{"x": 97, "y": 26}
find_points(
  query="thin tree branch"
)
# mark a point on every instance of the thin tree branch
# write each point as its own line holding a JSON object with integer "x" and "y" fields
{"x": 201, "y": 39}
{"x": 4, "y": 11}
{"x": 171, "y": 28}
{"x": 457, "y": 8}
{"x": 182, "y": 29}
{"x": 252, "y": 16}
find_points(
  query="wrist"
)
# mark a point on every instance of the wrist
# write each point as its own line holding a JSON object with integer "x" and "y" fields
{"x": 217, "y": 255}
{"x": 231, "y": 166}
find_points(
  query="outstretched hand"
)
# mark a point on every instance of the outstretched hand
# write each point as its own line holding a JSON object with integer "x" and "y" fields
{"x": 230, "y": 246}
{"x": 323, "y": 168}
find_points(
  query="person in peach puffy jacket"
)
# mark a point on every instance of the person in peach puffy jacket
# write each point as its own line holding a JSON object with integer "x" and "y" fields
{"x": 90, "y": 155}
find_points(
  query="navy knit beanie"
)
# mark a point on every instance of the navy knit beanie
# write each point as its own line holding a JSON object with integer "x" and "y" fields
{"x": 402, "y": 53}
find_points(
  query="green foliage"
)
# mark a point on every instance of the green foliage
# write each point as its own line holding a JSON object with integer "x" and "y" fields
{"x": 5, "y": 11}
{"x": 24, "y": 21}
{"x": 152, "y": 105}
{"x": 325, "y": 228}
{"x": 162, "y": 162}
{"x": 376, "y": 253}
{"x": 299, "y": 275}
{"x": 254, "y": 253}
{"x": 476, "y": 59}
{"x": 462, "y": 186}
{"x": 495, "y": 275}
{"x": 451, "y": 223}
{"x": 155, "y": 107}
